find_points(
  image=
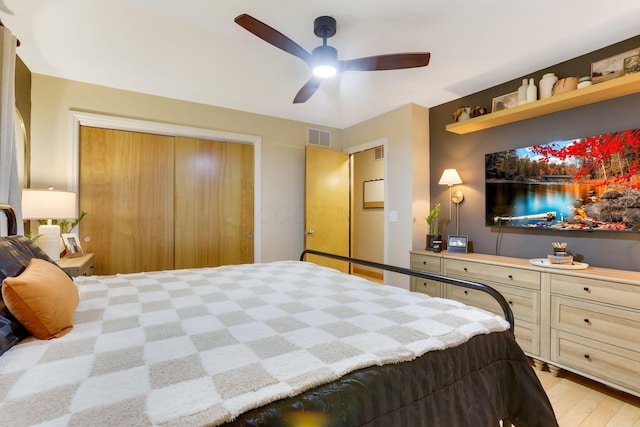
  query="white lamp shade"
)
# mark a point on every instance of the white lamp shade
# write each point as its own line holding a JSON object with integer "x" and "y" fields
{"x": 48, "y": 204}
{"x": 450, "y": 177}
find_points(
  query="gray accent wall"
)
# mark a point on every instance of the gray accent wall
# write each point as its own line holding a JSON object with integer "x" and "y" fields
{"x": 620, "y": 250}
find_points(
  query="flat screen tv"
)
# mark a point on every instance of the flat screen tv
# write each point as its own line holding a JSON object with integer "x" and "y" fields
{"x": 590, "y": 183}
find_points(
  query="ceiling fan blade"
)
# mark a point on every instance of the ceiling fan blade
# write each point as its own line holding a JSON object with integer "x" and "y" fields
{"x": 307, "y": 90}
{"x": 393, "y": 61}
{"x": 272, "y": 36}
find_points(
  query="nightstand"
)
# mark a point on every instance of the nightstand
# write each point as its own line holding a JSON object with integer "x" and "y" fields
{"x": 78, "y": 266}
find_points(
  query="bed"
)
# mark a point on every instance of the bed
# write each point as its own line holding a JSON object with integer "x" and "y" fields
{"x": 286, "y": 343}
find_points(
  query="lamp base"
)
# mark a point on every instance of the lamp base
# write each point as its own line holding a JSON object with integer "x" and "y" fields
{"x": 49, "y": 240}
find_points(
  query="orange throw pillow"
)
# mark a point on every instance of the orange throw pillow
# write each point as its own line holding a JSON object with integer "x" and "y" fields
{"x": 43, "y": 298}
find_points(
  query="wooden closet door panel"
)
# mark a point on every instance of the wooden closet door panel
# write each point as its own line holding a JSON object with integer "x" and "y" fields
{"x": 126, "y": 188}
{"x": 213, "y": 203}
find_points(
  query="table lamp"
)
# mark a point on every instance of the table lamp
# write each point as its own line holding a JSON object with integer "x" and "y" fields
{"x": 48, "y": 204}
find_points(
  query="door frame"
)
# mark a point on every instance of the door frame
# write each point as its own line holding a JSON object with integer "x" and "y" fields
{"x": 79, "y": 118}
{"x": 363, "y": 147}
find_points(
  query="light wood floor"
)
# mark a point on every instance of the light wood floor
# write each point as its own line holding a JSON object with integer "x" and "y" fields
{"x": 580, "y": 402}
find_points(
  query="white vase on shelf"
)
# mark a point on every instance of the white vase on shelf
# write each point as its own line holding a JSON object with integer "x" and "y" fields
{"x": 546, "y": 85}
{"x": 522, "y": 92}
{"x": 532, "y": 91}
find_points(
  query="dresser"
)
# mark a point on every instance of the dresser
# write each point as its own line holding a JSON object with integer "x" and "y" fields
{"x": 585, "y": 321}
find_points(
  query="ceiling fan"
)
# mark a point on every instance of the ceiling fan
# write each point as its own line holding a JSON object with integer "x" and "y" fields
{"x": 323, "y": 60}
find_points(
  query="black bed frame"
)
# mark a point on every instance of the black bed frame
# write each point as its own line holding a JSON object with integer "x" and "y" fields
{"x": 508, "y": 314}
{"x": 12, "y": 224}
{"x": 504, "y": 305}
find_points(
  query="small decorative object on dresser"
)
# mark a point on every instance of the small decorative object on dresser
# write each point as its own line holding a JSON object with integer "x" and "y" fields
{"x": 457, "y": 244}
{"x": 434, "y": 226}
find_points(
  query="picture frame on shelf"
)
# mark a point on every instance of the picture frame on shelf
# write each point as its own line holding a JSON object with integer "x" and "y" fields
{"x": 72, "y": 245}
{"x": 632, "y": 64}
{"x": 504, "y": 102}
{"x": 611, "y": 67}
{"x": 458, "y": 243}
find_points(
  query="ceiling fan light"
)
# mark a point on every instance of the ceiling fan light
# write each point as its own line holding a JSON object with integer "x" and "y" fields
{"x": 325, "y": 61}
{"x": 324, "y": 71}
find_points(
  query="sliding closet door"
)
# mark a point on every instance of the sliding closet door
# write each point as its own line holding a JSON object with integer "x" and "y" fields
{"x": 126, "y": 187}
{"x": 213, "y": 203}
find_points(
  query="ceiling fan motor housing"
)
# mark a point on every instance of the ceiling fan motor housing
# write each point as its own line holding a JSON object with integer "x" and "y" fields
{"x": 324, "y": 26}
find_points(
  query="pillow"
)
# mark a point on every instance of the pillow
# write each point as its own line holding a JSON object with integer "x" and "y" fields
{"x": 11, "y": 331}
{"x": 43, "y": 298}
{"x": 15, "y": 254}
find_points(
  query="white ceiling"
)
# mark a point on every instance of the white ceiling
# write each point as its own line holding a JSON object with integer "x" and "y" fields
{"x": 192, "y": 49}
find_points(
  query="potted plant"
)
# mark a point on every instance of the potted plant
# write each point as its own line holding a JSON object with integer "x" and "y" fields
{"x": 434, "y": 226}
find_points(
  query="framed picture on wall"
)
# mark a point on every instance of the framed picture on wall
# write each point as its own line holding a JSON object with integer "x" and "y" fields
{"x": 457, "y": 243}
{"x": 72, "y": 245}
{"x": 373, "y": 194}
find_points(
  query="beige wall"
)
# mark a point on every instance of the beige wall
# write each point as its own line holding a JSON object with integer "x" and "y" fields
{"x": 282, "y": 163}
{"x": 282, "y": 160}
{"x": 367, "y": 224}
{"x": 406, "y": 130}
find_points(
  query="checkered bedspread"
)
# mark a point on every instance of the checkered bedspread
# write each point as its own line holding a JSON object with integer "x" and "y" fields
{"x": 200, "y": 346}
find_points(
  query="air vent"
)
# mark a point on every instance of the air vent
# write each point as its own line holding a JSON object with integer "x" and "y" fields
{"x": 319, "y": 137}
{"x": 379, "y": 153}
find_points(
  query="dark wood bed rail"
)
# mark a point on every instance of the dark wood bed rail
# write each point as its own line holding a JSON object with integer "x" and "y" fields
{"x": 504, "y": 305}
{"x": 12, "y": 224}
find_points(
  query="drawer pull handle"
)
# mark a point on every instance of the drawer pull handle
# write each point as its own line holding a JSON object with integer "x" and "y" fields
{"x": 586, "y": 289}
{"x": 586, "y": 320}
{"x": 465, "y": 269}
{"x": 424, "y": 262}
{"x": 466, "y": 292}
{"x": 586, "y": 356}
{"x": 510, "y": 277}
{"x": 510, "y": 302}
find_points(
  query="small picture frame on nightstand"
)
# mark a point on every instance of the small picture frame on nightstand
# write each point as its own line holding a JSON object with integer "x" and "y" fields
{"x": 72, "y": 245}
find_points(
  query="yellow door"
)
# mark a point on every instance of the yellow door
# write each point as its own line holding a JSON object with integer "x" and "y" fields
{"x": 327, "y": 204}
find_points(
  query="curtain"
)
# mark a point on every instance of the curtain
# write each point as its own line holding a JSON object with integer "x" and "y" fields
{"x": 9, "y": 183}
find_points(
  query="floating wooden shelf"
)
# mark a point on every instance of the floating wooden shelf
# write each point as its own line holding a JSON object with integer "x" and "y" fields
{"x": 610, "y": 89}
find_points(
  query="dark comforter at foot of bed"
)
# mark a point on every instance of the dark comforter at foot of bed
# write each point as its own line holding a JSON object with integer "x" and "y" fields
{"x": 475, "y": 384}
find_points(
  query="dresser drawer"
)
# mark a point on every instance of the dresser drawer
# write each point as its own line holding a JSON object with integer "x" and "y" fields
{"x": 429, "y": 287}
{"x": 480, "y": 272}
{"x": 596, "y": 290}
{"x": 528, "y": 337}
{"x": 524, "y": 304}
{"x": 598, "y": 322}
{"x": 617, "y": 365}
{"x": 430, "y": 264}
